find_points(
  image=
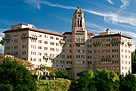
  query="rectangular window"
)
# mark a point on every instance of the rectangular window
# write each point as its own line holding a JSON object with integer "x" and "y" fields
{"x": 39, "y": 59}
{"x": 7, "y": 41}
{"x": 15, "y": 40}
{"x": 15, "y": 47}
{"x": 23, "y": 52}
{"x": 39, "y": 41}
{"x": 15, "y": 53}
{"x": 57, "y": 44}
{"x": 15, "y": 35}
{"x": 57, "y": 38}
{"x": 51, "y": 37}
{"x": 114, "y": 39}
{"x": 51, "y": 49}
{"x": 40, "y": 35}
{"x": 45, "y": 42}
{"x": 23, "y": 46}
{"x": 32, "y": 40}
{"x": 51, "y": 43}
{"x": 57, "y": 50}
{"x": 23, "y": 40}
{"x": 45, "y": 36}
{"x": 39, "y": 53}
{"x": 45, "y": 48}
{"x": 8, "y": 47}
{"x": 39, "y": 47}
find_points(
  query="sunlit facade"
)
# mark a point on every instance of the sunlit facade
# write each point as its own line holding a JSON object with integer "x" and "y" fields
{"x": 73, "y": 51}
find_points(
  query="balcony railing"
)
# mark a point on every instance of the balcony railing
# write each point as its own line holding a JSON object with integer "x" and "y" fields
{"x": 7, "y": 38}
{"x": 33, "y": 37}
{"x": 129, "y": 43}
{"x": 106, "y": 59}
{"x": 97, "y": 43}
{"x": 24, "y": 36}
{"x": 62, "y": 41}
{"x": 122, "y": 42}
{"x": 115, "y": 41}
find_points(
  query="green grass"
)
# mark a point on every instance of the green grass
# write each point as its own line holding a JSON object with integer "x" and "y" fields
{"x": 54, "y": 85}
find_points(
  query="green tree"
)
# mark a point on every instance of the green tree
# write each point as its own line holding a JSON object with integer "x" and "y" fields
{"x": 106, "y": 80}
{"x": 15, "y": 76}
{"x": 2, "y": 42}
{"x": 85, "y": 82}
{"x": 6, "y": 87}
{"x": 62, "y": 74}
{"x": 128, "y": 83}
{"x": 133, "y": 60}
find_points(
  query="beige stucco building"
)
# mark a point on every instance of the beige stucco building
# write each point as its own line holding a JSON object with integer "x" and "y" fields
{"x": 37, "y": 46}
{"x": 73, "y": 51}
{"x": 113, "y": 52}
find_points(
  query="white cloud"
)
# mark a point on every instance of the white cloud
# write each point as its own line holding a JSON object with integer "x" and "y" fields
{"x": 94, "y": 27}
{"x": 35, "y": 3}
{"x": 114, "y": 17}
{"x": 125, "y": 4}
{"x": 38, "y": 3}
{"x": 1, "y": 47}
{"x": 108, "y": 16}
{"x": 129, "y": 33}
{"x": 110, "y": 1}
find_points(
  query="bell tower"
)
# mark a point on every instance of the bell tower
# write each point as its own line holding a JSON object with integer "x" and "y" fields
{"x": 78, "y": 21}
{"x": 79, "y": 38}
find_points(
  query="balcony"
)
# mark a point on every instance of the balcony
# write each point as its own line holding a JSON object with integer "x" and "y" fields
{"x": 51, "y": 57}
{"x": 24, "y": 36}
{"x": 129, "y": 43}
{"x": 97, "y": 43}
{"x": 7, "y": 38}
{"x": 115, "y": 41}
{"x": 122, "y": 42}
{"x": 46, "y": 57}
{"x": 33, "y": 37}
{"x": 106, "y": 59}
{"x": 62, "y": 41}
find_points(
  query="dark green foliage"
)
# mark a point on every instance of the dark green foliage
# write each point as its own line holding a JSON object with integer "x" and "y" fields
{"x": 35, "y": 76}
{"x": 16, "y": 76}
{"x": 2, "y": 42}
{"x": 6, "y": 87}
{"x": 103, "y": 80}
{"x": 133, "y": 58}
{"x": 62, "y": 74}
{"x": 128, "y": 83}
{"x": 85, "y": 83}
{"x": 106, "y": 80}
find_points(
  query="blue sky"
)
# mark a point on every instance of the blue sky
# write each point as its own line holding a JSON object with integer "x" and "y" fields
{"x": 56, "y": 15}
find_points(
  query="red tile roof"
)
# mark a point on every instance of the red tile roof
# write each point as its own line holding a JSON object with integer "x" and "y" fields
{"x": 33, "y": 29}
{"x": 111, "y": 35}
{"x": 88, "y": 33}
{"x": 67, "y": 33}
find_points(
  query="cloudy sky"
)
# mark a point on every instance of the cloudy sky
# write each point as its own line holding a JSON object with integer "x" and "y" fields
{"x": 56, "y": 15}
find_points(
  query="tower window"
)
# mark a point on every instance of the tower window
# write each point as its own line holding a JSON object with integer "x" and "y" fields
{"x": 80, "y": 23}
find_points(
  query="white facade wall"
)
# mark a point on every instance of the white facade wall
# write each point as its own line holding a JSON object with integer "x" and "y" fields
{"x": 45, "y": 46}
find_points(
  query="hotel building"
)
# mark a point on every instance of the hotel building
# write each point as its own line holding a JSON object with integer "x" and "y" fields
{"x": 73, "y": 51}
{"x": 113, "y": 52}
{"x": 37, "y": 46}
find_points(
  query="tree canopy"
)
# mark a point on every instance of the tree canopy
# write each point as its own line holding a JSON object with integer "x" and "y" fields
{"x": 15, "y": 77}
{"x": 2, "y": 42}
{"x": 133, "y": 60}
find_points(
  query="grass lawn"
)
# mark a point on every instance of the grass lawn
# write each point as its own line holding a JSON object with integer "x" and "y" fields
{"x": 54, "y": 85}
